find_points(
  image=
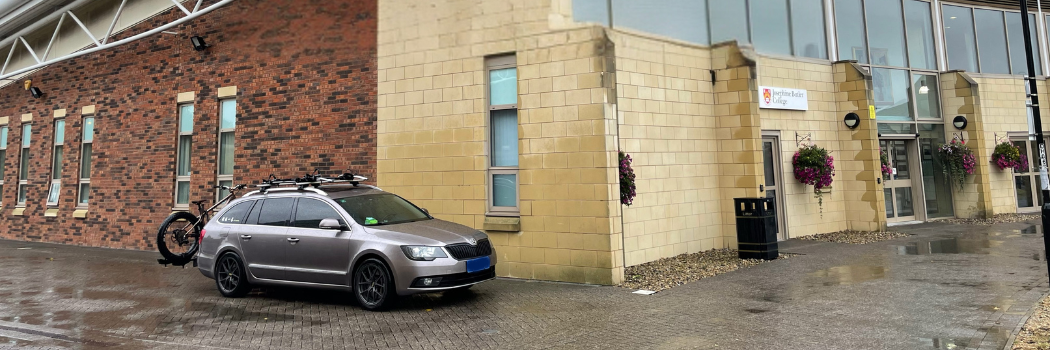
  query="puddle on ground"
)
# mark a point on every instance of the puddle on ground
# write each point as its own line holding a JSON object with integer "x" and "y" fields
{"x": 1032, "y": 230}
{"x": 954, "y": 245}
{"x": 849, "y": 274}
{"x": 945, "y": 343}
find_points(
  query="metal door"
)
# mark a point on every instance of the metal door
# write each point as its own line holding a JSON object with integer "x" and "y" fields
{"x": 772, "y": 168}
{"x": 899, "y": 189}
{"x": 263, "y": 240}
{"x": 315, "y": 255}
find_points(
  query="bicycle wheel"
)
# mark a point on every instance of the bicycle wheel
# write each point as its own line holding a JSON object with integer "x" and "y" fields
{"x": 177, "y": 239}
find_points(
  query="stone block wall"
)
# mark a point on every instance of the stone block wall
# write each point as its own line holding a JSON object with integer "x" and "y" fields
{"x": 860, "y": 162}
{"x": 1003, "y": 112}
{"x": 664, "y": 103}
{"x": 433, "y": 128}
{"x": 960, "y": 96}
{"x": 821, "y": 124}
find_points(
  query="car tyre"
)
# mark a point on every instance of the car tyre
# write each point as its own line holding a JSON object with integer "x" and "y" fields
{"x": 373, "y": 285}
{"x": 231, "y": 277}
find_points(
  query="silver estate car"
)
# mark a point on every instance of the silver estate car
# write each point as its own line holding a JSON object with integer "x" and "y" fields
{"x": 357, "y": 238}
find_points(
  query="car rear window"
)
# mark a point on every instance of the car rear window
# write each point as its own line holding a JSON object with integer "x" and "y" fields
{"x": 237, "y": 213}
{"x": 381, "y": 209}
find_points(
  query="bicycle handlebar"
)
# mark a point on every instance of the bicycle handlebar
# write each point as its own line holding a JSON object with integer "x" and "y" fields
{"x": 234, "y": 188}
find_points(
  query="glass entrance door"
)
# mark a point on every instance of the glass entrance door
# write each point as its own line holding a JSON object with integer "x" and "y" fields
{"x": 1026, "y": 182}
{"x": 898, "y": 189}
{"x": 771, "y": 165}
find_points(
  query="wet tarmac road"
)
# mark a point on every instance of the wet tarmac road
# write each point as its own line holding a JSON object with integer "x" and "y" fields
{"x": 946, "y": 287}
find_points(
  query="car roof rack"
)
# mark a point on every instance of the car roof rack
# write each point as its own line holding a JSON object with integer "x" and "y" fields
{"x": 309, "y": 182}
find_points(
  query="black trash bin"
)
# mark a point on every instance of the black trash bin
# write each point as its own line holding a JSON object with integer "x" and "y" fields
{"x": 756, "y": 228}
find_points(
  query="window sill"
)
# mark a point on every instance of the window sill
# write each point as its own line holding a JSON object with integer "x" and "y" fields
{"x": 51, "y": 212}
{"x": 80, "y": 213}
{"x": 19, "y": 211}
{"x": 502, "y": 223}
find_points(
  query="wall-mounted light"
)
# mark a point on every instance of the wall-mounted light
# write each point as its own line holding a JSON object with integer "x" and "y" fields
{"x": 851, "y": 120}
{"x": 35, "y": 91}
{"x": 198, "y": 43}
{"x": 959, "y": 122}
{"x": 923, "y": 89}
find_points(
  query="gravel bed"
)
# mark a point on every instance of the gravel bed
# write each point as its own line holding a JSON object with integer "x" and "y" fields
{"x": 678, "y": 270}
{"x": 855, "y": 237}
{"x": 998, "y": 219}
{"x": 1036, "y": 332}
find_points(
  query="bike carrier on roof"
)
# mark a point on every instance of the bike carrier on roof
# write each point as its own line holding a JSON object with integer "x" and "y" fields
{"x": 310, "y": 182}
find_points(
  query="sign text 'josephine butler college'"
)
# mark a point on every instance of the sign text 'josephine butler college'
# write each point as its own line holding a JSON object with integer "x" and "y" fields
{"x": 782, "y": 98}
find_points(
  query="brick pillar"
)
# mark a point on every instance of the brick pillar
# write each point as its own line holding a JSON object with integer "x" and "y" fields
{"x": 859, "y": 167}
{"x": 961, "y": 96}
{"x": 739, "y": 133}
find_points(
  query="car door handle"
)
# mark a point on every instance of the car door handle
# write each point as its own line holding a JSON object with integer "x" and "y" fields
{"x": 246, "y": 236}
{"x": 293, "y": 240}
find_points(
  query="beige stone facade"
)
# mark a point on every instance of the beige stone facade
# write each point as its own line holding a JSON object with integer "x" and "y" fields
{"x": 687, "y": 114}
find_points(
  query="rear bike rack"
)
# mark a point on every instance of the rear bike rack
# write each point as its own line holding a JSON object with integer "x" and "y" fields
{"x": 165, "y": 262}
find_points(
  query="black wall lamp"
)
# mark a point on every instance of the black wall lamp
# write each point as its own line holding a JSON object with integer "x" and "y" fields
{"x": 198, "y": 43}
{"x": 851, "y": 120}
{"x": 959, "y": 122}
{"x": 35, "y": 91}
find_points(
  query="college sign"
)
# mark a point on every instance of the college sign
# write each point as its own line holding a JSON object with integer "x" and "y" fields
{"x": 782, "y": 98}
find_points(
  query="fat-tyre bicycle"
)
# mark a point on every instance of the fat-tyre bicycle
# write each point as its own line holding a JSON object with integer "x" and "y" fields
{"x": 179, "y": 236}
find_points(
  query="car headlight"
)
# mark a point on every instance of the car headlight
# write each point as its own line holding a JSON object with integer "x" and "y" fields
{"x": 423, "y": 253}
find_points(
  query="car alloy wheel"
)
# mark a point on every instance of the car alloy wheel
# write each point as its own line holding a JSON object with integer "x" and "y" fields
{"x": 373, "y": 285}
{"x": 229, "y": 274}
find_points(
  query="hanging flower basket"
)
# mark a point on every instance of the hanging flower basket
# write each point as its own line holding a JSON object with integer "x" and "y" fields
{"x": 814, "y": 166}
{"x": 627, "y": 186}
{"x": 1008, "y": 156}
{"x": 884, "y": 159}
{"x": 957, "y": 160}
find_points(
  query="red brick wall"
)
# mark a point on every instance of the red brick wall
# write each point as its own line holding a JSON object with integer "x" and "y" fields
{"x": 305, "y": 72}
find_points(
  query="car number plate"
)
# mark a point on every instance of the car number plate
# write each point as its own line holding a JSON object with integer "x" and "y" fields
{"x": 479, "y": 264}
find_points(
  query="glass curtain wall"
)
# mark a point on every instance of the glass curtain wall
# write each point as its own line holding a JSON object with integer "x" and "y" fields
{"x": 976, "y": 39}
{"x": 779, "y": 27}
{"x": 894, "y": 40}
{"x": 671, "y": 18}
{"x": 988, "y": 40}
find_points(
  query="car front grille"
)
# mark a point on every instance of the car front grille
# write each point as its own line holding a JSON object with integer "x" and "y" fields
{"x": 463, "y": 251}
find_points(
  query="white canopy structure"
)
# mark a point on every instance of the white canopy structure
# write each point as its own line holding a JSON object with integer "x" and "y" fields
{"x": 25, "y": 24}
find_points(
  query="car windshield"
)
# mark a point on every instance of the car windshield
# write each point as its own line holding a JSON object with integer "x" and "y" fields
{"x": 381, "y": 209}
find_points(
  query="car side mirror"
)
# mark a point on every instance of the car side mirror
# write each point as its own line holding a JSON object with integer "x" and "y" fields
{"x": 333, "y": 224}
{"x": 425, "y": 211}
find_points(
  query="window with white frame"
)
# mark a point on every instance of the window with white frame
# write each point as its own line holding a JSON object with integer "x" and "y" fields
{"x": 227, "y": 124}
{"x": 503, "y": 125}
{"x": 86, "y": 141}
{"x": 3, "y": 159}
{"x": 23, "y": 164}
{"x": 56, "y": 163}
{"x": 182, "y": 158}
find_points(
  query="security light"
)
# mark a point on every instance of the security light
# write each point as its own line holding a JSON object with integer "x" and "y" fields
{"x": 959, "y": 122}
{"x": 35, "y": 91}
{"x": 198, "y": 43}
{"x": 851, "y": 120}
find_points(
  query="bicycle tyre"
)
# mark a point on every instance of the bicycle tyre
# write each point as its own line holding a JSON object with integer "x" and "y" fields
{"x": 162, "y": 239}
